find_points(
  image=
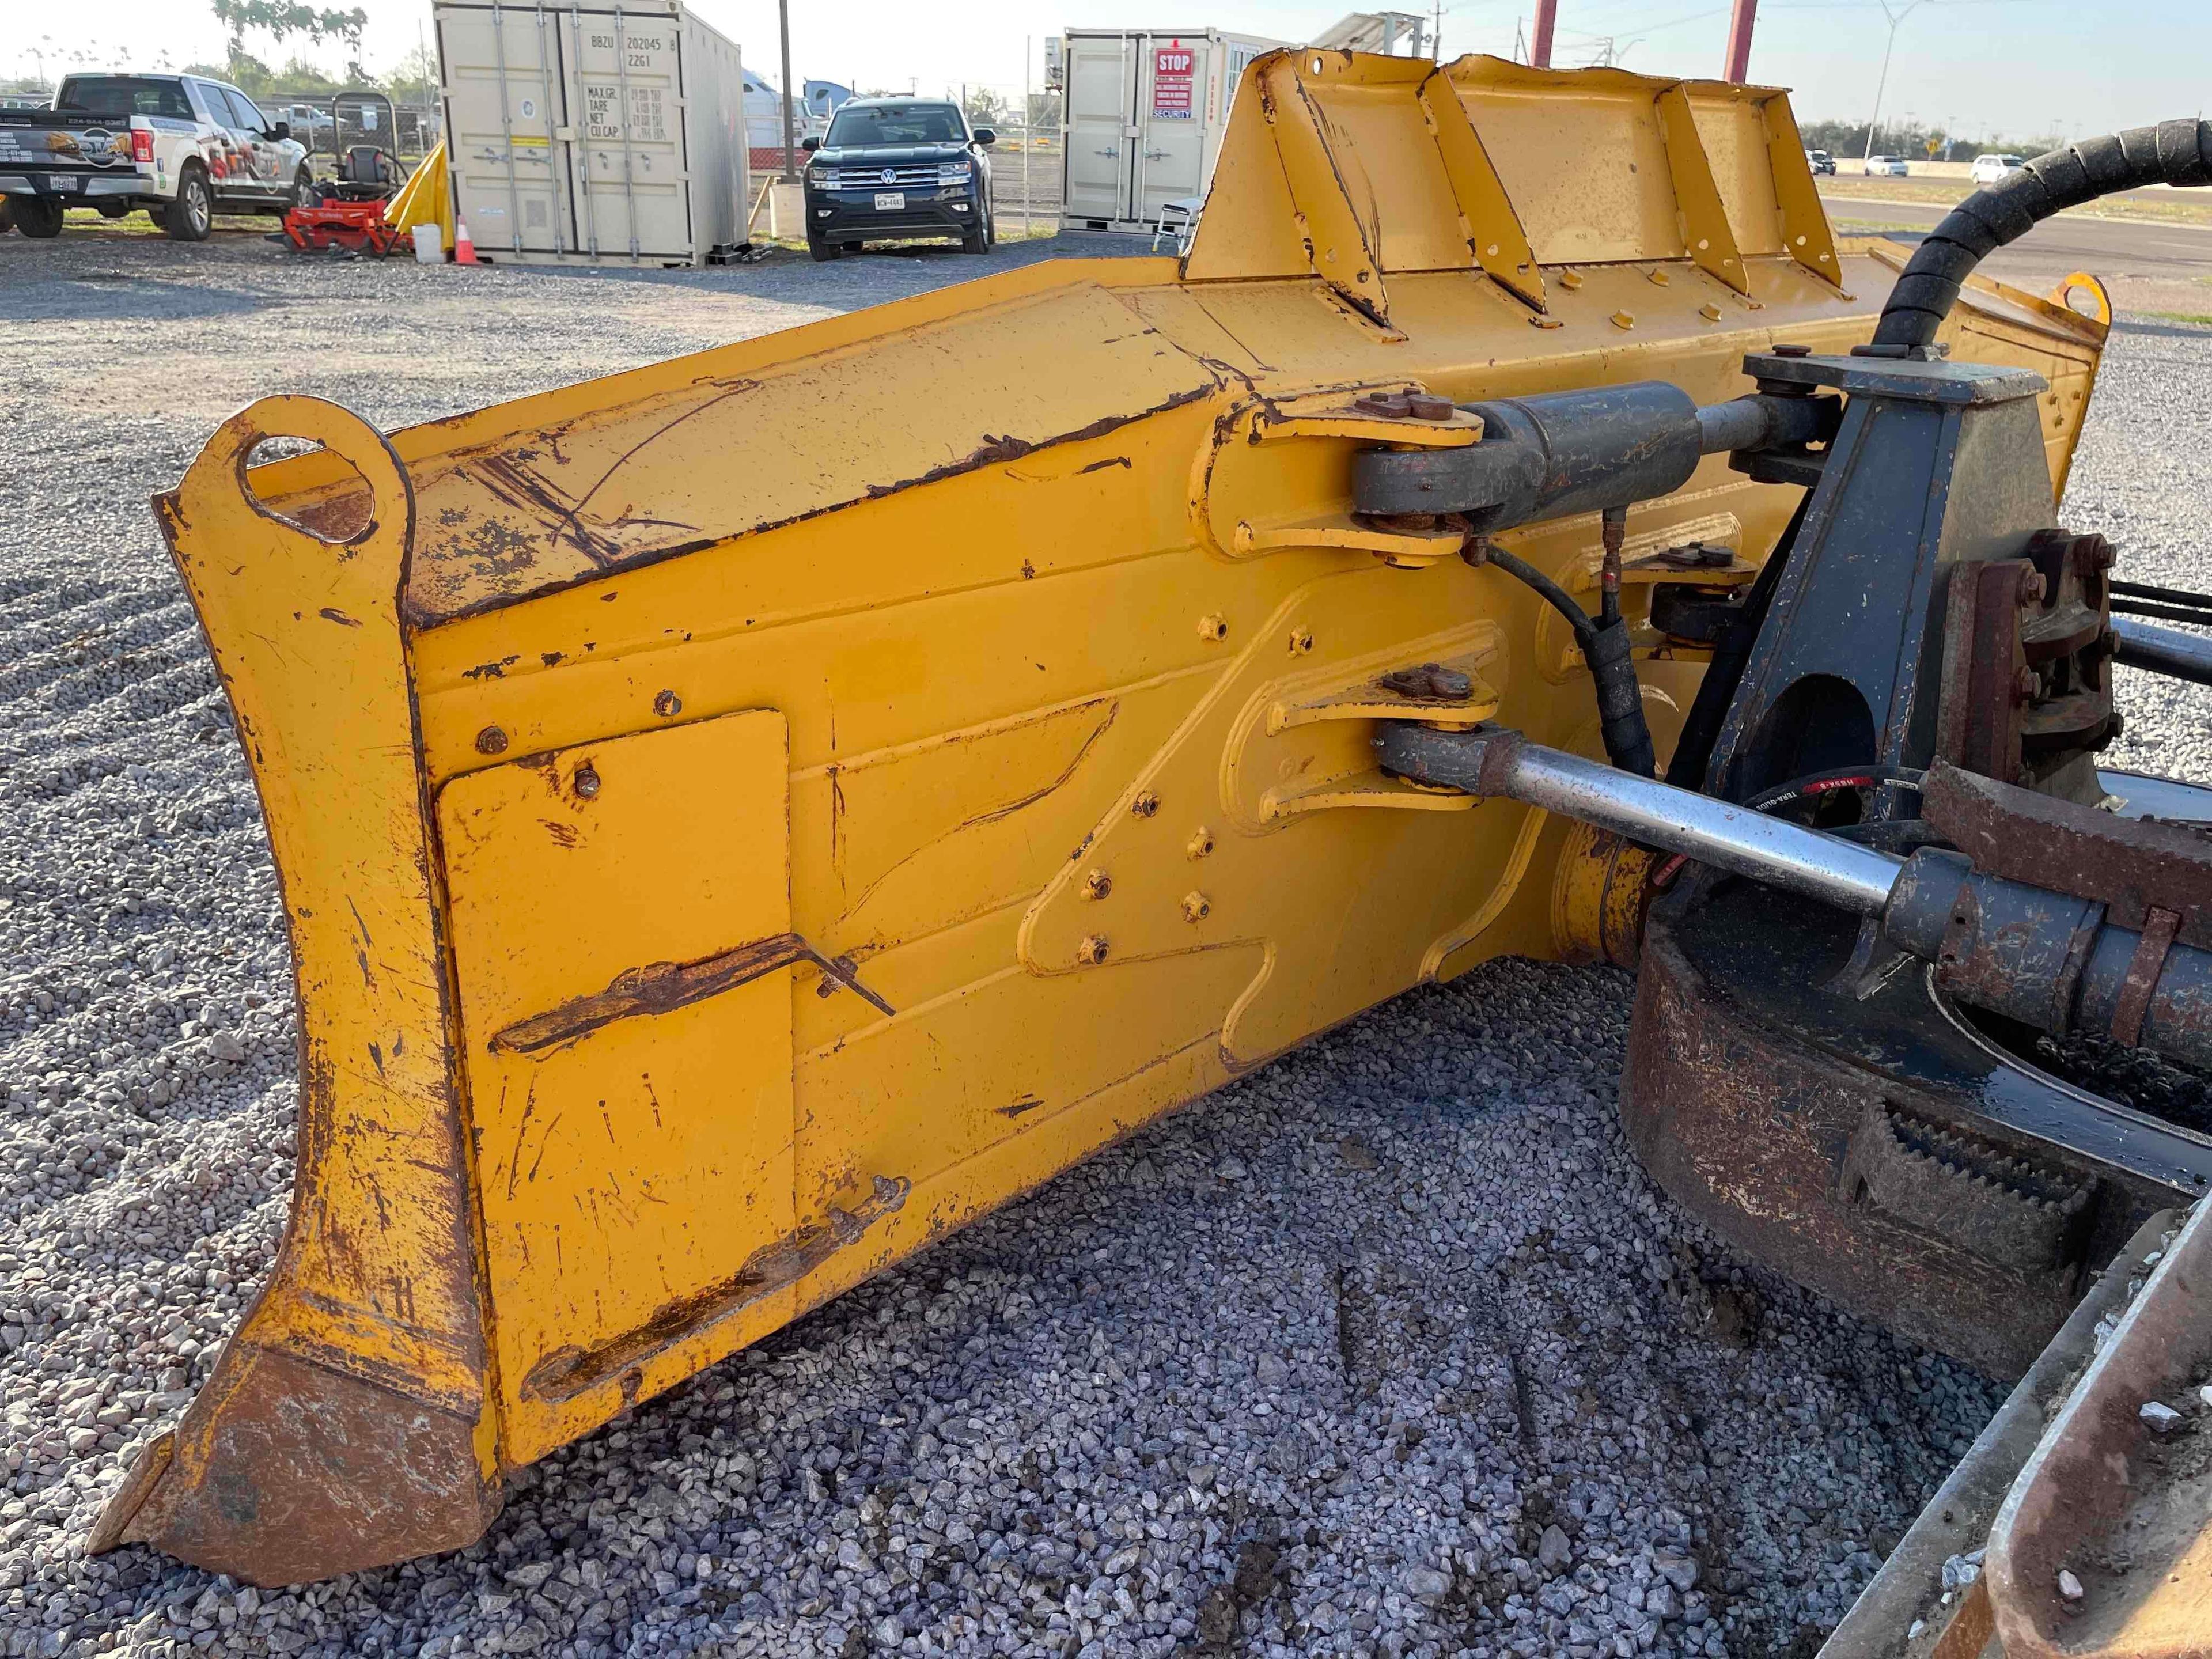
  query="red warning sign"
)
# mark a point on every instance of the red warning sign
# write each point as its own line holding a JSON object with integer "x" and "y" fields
{"x": 1171, "y": 73}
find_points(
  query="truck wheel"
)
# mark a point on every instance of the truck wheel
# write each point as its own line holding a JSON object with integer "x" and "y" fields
{"x": 191, "y": 215}
{"x": 302, "y": 191}
{"x": 977, "y": 241}
{"x": 38, "y": 216}
{"x": 824, "y": 251}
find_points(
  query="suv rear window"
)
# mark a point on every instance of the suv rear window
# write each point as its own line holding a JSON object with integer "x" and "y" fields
{"x": 896, "y": 124}
{"x": 123, "y": 94}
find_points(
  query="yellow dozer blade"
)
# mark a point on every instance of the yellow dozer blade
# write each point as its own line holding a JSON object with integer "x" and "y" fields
{"x": 741, "y": 819}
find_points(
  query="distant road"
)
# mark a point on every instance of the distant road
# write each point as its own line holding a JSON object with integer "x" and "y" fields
{"x": 2147, "y": 265}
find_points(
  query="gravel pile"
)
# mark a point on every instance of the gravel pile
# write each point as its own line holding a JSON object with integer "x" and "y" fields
{"x": 1389, "y": 1348}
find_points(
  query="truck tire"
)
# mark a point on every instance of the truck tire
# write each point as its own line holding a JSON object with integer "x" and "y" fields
{"x": 303, "y": 192}
{"x": 978, "y": 240}
{"x": 38, "y": 216}
{"x": 191, "y": 215}
{"x": 824, "y": 251}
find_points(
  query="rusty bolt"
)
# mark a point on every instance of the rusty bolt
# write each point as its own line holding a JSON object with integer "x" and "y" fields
{"x": 1389, "y": 405}
{"x": 1196, "y": 907}
{"x": 1213, "y": 626}
{"x": 2024, "y": 685}
{"x": 1145, "y": 804}
{"x": 1301, "y": 641}
{"x": 2094, "y": 555}
{"x": 1098, "y": 885}
{"x": 587, "y": 781}
{"x": 1430, "y": 681}
{"x": 2031, "y": 589}
{"x": 667, "y": 705}
{"x": 1092, "y": 951}
{"x": 491, "y": 741}
{"x": 1428, "y": 406}
{"x": 1200, "y": 843}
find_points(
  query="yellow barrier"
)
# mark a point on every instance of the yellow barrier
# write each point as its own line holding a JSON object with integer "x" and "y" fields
{"x": 427, "y": 198}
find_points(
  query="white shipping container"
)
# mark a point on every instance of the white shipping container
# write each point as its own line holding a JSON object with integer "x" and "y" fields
{"x": 594, "y": 133}
{"x": 1145, "y": 110}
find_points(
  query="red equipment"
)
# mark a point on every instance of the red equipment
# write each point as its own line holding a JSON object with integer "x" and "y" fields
{"x": 350, "y": 214}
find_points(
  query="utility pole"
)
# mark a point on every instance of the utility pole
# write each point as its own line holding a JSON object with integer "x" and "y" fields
{"x": 790, "y": 138}
{"x": 1436, "y": 34}
{"x": 1738, "y": 69}
{"x": 1882, "y": 84}
{"x": 1540, "y": 39}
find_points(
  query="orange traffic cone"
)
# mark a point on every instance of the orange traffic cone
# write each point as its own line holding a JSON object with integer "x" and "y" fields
{"x": 464, "y": 250}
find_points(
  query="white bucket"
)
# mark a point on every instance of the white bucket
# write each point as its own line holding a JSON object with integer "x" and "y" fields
{"x": 430, "y": 244}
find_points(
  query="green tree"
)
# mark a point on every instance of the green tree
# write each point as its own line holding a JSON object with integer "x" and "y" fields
{"x": 413, "y": 81}
{"x": 282, "y": 20}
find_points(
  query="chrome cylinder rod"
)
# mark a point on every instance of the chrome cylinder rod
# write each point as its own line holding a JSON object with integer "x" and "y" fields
{"x": 1719, "y": 833}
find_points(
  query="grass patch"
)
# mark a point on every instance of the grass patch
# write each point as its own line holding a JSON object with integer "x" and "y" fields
{"x": 139, "y": 223}
{"x": 2202, "y": 318}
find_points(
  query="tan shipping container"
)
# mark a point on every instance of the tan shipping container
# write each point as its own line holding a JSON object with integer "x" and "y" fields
{"x": 1145, "y": 110}
{"x": 597, "y": 134}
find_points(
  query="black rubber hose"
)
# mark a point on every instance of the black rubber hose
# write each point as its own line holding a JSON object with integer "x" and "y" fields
{"x": 1547, "y": 590}
{"x": 1606, "y": 649}
{"x": 2121, "y": 607}
{"x": 2171, "y": 153}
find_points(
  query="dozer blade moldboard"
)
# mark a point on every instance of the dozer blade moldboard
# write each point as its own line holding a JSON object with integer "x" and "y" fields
{"x": 743, "y": 818}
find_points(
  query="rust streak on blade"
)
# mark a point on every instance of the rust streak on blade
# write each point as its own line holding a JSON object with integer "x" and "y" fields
{"x": 569, "y": 1371}
{"x": 664, "y": 987}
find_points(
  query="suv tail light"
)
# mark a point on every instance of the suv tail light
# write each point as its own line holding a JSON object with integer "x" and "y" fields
{"x": 142, "y": 144}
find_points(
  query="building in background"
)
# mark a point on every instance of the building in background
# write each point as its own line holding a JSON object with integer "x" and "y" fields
{"x": 1394, "y": 34}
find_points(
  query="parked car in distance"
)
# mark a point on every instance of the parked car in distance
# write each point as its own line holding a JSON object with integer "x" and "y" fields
{"x": 1820, "y": 161}
{"x": 1886, "y": 167}
{"x": 182, "y": 147}
{"x": 1988, "y": 168}
{"x": 898, "y": 170}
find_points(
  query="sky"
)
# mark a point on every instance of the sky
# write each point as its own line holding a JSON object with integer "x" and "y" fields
{"x": 1976, "y": 68}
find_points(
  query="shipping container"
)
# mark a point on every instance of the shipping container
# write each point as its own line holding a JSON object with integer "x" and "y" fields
{"x": 1145, "y": 110}
{"x": 593, "y": 134}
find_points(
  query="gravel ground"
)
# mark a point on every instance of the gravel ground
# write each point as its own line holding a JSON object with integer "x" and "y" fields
{"x": 1388, "y": 1348}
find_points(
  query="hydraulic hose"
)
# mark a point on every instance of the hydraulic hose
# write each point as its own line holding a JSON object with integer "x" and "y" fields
{"x": 2171, "y": 153}
{"x": 1605, "y": 646}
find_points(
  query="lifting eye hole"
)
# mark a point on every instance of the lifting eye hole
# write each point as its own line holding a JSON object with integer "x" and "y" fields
{"x": 337, "y": 511}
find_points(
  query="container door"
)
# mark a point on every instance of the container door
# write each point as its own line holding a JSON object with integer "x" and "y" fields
{"x": 1101, "y": 76}
{"x": 503, "y": 90}
{"x": 1171, "y": 155}
{"x": 629, "y": 72}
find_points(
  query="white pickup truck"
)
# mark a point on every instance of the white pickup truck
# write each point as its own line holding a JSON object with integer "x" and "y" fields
{"x": 181, "y": 146}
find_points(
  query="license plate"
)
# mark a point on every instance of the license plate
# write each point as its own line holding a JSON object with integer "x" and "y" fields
{"x": 60, "y": 181}
{"x": 889, "y": 200}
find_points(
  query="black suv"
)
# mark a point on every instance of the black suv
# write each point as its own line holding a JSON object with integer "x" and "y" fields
{"x": 896, "y": 169}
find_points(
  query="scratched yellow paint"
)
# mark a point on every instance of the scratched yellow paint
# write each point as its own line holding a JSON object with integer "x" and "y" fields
{"x": 645, "y": 1164}
{"x": 1003, "y": 658}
